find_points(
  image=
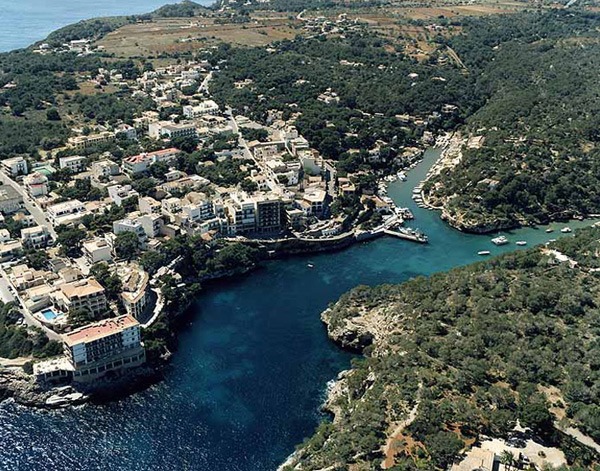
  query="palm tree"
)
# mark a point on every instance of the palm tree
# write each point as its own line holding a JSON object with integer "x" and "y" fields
{"x": 507, "y": 459}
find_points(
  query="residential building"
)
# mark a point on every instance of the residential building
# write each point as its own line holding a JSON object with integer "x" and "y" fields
{"x": 36, "y": 184}
{"x": 68, "y": 212}
{"x": 35, "y": 237}
{"x": 108, "y": 345}
{"x": 204, "y": 108}
{"x": 119, "y": 193}
{"x": 131, "y": 225}
{"x": 142, "y": 162}
{"x": 316, "y": 198}
{"x": 75, "y": 163}
{"x": 104, "y": 169}
{"x": 149, "y": 205}
{"x": 136, "y": 289}
{"x": 97, "y": 250}
{"x": 129, "y": 131}
{"x": 169, "y": 130}
{"x": 11, "y": 201}
{"x": 270, "y": 216}
{"x": 15, "y": 166}
{"x": 152, "y": 224}
{"x": 83, "y": 294}
{"x": 85, "y": 142}
{"x": 10, "y": 249}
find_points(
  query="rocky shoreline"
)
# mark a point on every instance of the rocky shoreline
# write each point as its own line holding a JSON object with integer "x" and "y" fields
{"x": 21, "y": 387}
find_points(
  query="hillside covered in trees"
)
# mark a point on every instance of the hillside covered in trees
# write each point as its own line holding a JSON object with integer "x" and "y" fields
{"x": 470, "y": 352}
{"x": 541, "y": 121}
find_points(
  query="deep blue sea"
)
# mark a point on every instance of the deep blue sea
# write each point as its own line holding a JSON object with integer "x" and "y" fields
{"x": 252, "y": 368}
{"x": 23, "y": 22}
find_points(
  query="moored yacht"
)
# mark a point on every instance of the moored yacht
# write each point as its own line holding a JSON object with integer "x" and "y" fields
{"x": 501, "y": 240}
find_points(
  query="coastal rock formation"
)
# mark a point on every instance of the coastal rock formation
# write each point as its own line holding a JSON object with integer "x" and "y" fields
{"x": 16, "y": 384}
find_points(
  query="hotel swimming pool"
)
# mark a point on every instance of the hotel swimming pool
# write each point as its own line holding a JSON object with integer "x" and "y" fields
{"x": 49, "y": 314}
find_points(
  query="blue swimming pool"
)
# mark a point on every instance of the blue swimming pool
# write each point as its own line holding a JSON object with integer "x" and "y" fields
{"x": 49, "y": 314}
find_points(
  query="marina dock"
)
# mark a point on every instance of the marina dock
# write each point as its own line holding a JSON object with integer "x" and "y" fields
{"x": 407, "y": 235}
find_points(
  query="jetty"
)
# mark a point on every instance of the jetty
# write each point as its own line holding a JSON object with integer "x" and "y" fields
{"x": 407, "y": 234}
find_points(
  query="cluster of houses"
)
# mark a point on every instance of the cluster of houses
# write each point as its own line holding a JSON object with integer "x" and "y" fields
{"x": 286, "y": 189}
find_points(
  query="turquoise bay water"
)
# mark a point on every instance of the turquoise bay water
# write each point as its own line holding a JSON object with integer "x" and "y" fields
{"x": 246, "y": 383}
{"x": 23, "y": 22}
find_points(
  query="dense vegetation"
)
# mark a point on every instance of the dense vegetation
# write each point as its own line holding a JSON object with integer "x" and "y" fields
{"x": 541, "y": 121}
{"x": 19, "y": 341}
{"x": 476, "y": 348}
{"x": 373, "y": 86}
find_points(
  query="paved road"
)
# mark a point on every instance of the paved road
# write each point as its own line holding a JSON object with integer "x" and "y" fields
{"x": 30, "y": 204}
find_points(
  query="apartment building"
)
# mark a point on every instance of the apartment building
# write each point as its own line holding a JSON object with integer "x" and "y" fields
{"x": 68, "y": 212}
{"x": 120, "y": 193}
{"x": 104, "y": 169}
{"x": 270, "y": 214}
{"x": 169, "y": 130}
{"x": 131, "y": 225}
{"x": 35, "y": 237}
{"x": 149, "y": 205}
{"x": 85, "y": 142}
{"x": 15, "y": 166}
{"x": 136, "y": 289}
{"x": 142, "y": 162}
{"x": 86, "y": 294}
{"x": 74, "y": 163}
{"x": 97, "y": 250}
{"x": 108, "y": 345}
{"x": 204, "y": 108}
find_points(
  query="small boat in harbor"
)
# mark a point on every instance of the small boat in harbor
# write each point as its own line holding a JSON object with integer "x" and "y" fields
{"x": 483, "y": 252}
{"x": 500, "y": 240}
{"x": 310, "y": 265}
{"x": 549, "y": 230}
{"x": 565, "y": 230}
{"x": 521, "y": 242}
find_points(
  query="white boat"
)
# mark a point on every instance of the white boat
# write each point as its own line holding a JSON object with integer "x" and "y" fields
{"x": 310, "y": 265}
{"x": 521, "y": 242}
{"x": 549, "y": 230}
{"x": 565, "y": 230}
{"x": 483, "y": 252}
{"x": 501, "y": 240}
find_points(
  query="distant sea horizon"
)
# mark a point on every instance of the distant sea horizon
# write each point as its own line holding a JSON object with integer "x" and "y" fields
{"x": 23, "y": 22}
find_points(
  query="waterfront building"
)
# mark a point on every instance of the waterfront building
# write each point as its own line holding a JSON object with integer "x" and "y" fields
{"x": 108, "y": 345}
{"x": 136, "y": 288}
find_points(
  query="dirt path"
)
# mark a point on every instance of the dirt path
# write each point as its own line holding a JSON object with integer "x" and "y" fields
{"x": 412, "y": 415}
